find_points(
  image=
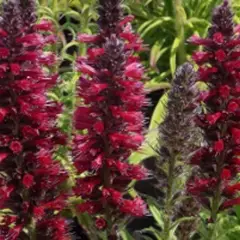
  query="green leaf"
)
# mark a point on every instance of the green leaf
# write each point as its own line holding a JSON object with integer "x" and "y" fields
{"x": 156, "y": 53}
{"x": 154, "y": 86}
{"x": 126, "y": 235}
{"x": 156, "y": 25}
{"x": 180, "y": 220}
{"x": 237, "y": 211}
{"x": 173, "y": 54}
{"x": 156, "y": 212}
{"x": 159, "y": 112}
{"x": 151, "y": 141}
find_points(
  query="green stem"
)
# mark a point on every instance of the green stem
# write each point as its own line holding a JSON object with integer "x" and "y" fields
{"x": 216, "y": 201}
{"x": 179, "y": 26}
{"x": 169, "y": 195}
{"x": 32, "y": 230}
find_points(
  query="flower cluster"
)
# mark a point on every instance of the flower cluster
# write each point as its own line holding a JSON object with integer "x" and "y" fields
{"x": 178, "y": 135}
{"x": 218, "y": 160}
{"x": 30, "y": 178}
{"x": 113, "y": 96}
{"x": 178, "y": 132}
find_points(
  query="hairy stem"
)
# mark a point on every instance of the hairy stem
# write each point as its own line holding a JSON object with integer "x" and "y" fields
{"x": 169, "y": 195}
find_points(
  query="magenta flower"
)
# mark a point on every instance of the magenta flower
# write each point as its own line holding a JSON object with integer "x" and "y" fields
{"x": 218, "y": 160}
{"x": 113, "y": 97}
{"x": 30, "y": 179}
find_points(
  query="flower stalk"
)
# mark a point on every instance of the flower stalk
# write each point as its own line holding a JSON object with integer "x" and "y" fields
{"x": 30, "y": 178}
{"x": 217, "y": 160}
{"x": 110, "y": 114}
{"x": 176, "y": 136}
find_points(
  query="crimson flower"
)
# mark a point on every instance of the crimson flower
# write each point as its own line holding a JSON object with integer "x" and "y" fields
{"x": 30, "y": 179}
{"x": 113, "y": 97}
{"x": 217, "y": 160}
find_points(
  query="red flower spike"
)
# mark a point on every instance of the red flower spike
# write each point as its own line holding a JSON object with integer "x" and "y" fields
{"x": 220, "y": 118}
{"x": 28, "y": 135}
{"x": 113, "y": 97}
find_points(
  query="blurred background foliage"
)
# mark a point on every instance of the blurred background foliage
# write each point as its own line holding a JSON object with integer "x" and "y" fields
{"x": 164, "y": 26}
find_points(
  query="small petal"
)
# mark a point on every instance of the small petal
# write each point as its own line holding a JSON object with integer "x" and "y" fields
{"x": 15, "y": 68}
{"x": 100, "y": 223}
{"x": 3, "y": 33}
{"x": 220, "y": 55}
{"x": 218, "y": 38}
{"x": 232, "y": 106}
{"x": 196, "y": 40}
{"x": 16, "y": 147}
{"x": 200, "y": 57}
{"x": 97, "y": 163}
{"x": 3, "y": 156}
{"x": 134, "y": 70}
{"x": 3, "y": 113}
{"x": 218, "y": 146}
{"x": 28, "y": 180}
{"x": 226, "y": 174}
{"x": 4, "y": 52}
{"x": 90, "y": 207}
{"x": 136, "y": 207}
{"x": 28, "y": 56}
{"x": 99, "y": 127}
{"x": 86, "y": 38}
{"x": 86, "y": 69}
{"x": 126, "y": 20}
{"x": 236, "y": 135}
{"x": 95, "y": 52}
{"x": 213, "y": 118}
{"x": 230, "y": 203}
{"x": 224, "y": 91}
{"x": 44, "y": 25}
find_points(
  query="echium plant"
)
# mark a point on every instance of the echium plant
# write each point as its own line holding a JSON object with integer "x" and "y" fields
{"x": 218, "y": 160}
{"x": 113, "y": 97}
{"x": 29, "y": 177}
{"x": 177, "y": 136}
